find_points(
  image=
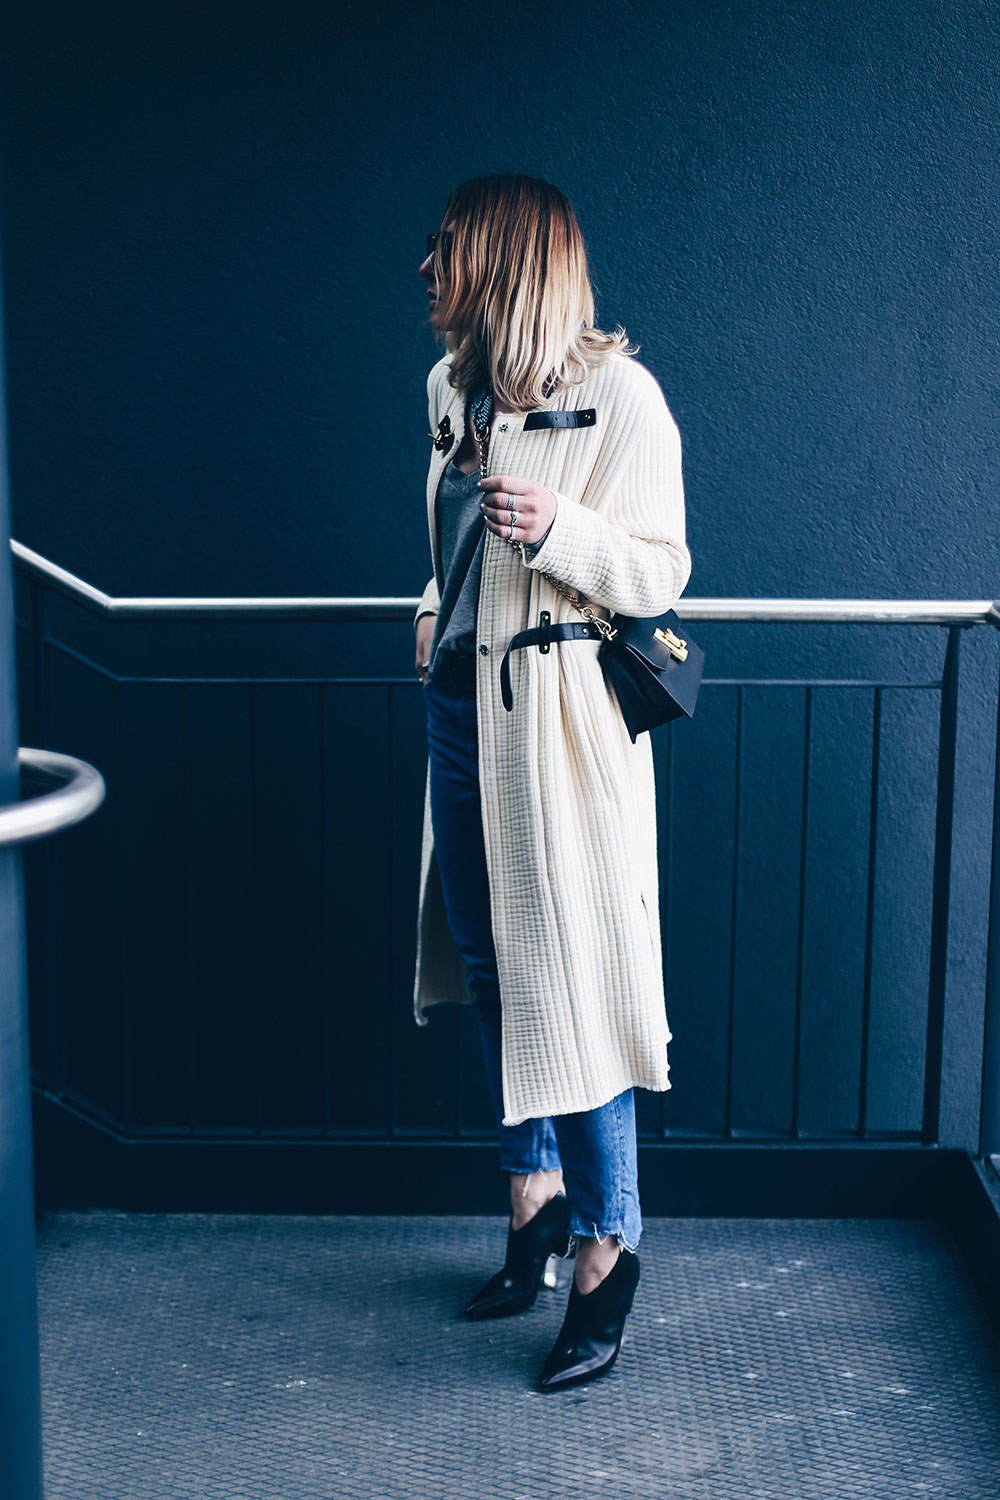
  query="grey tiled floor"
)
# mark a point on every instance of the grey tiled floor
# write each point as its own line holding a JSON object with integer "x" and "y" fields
{"x": 302, "y": 1358}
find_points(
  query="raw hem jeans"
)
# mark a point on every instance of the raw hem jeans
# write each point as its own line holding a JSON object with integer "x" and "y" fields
{"x": 595, "y": 1148}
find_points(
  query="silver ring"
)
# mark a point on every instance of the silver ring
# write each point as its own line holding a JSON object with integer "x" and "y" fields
{"x": 510, "y": 500}
{"x": 513, "y": 519}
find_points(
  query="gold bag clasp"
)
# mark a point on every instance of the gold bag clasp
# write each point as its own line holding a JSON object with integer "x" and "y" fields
{"x": 673, "y": 643}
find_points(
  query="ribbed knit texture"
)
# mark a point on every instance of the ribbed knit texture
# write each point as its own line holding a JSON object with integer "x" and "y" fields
{"x": 568, "y": 801}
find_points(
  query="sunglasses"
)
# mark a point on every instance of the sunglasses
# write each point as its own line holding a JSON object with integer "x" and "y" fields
{"x": 445, "y": 237}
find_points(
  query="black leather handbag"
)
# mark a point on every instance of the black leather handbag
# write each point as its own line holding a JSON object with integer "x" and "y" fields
{"x": 654, "y": 667}
{"x": 653, "y": 664}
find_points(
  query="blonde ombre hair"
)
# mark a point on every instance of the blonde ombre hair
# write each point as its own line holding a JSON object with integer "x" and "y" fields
{"x": 517, "y": 299}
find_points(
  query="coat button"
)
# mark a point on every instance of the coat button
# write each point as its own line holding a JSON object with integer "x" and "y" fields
{"x": 484, "y": 650}
{"x": 503, "y": 426}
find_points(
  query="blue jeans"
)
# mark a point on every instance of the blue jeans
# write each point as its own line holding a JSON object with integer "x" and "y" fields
{"x": 595, "y": 1148}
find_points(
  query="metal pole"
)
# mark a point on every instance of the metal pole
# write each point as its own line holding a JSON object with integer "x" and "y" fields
{"x": 989, "y": 1120}
{"x": 941, "y": 900}
{"x": 20, "y": 1400}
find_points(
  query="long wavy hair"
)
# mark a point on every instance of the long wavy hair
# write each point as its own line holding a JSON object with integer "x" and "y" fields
{"x": 517, "y": 292}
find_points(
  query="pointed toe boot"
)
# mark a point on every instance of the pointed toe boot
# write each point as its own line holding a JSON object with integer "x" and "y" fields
{"x": 514, "y": 1288}
{"x": 591, "y": 1335}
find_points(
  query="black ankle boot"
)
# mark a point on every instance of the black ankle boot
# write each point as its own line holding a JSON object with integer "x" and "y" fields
{"x": 515, "y": 1287}
{"x": 591, "y": 1335}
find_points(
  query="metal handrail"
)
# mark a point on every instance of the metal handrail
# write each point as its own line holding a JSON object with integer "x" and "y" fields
{"x": 860, "y": 611}
{"x": 44, "y": 815}
{"x": 79, "y": 792}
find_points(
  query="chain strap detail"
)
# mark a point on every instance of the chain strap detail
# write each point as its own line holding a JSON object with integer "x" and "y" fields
{"x": 481, "y": 437}
{"x": 573, "y": 596}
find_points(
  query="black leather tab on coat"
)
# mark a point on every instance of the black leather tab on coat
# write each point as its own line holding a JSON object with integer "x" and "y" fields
{"x": 535, "y": 637}
{"x": 586, "y": 417}
{"x": 445, "y": 437}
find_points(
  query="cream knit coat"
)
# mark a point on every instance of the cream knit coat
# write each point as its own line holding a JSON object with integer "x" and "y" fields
{"x": 567, "y": 799}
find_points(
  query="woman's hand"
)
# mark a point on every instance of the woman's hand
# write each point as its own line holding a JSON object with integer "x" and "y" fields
{"x": 425, "y": 634}
{"x": 533, "y": 505}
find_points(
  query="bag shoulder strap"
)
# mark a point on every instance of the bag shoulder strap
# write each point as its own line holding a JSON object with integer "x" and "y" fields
{"x": 481, "y": 437}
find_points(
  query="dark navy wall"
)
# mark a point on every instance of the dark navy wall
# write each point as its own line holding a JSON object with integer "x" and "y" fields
{"x": 216, "y": 351}
{"x": 214, "y": 215}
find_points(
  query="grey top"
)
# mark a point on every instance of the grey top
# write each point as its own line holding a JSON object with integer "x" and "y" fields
{"x": 460, "y": 529}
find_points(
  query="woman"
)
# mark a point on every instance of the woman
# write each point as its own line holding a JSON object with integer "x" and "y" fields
{"x": 538, "y": 896}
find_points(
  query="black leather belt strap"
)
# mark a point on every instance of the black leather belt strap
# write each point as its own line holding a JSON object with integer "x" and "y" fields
{"x": 540, "y": 636}
{"x": 584, "y": 418}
